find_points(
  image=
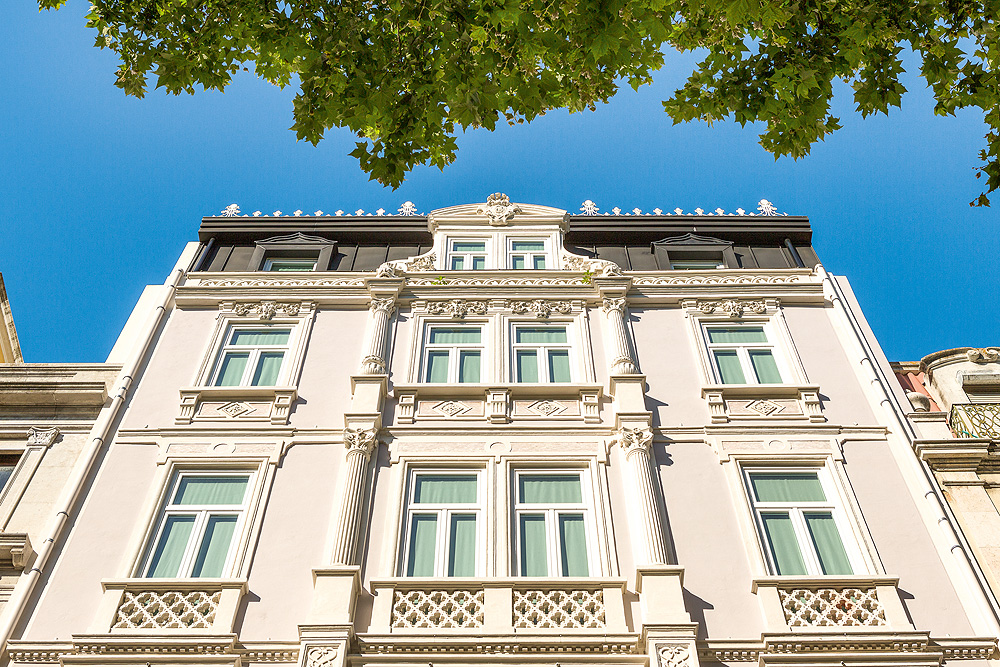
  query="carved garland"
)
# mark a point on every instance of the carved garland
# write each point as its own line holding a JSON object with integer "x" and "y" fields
{"x": 266, "y": 310}
{"x": 457, "y": 308}
{"x": 540, "y": 307}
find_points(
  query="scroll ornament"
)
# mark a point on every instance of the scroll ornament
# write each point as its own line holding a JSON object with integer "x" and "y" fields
{"x": 542, "y": 308}
{"x": 42, "y": 436}
{"x": 457, "y": 308}
{"x": 733, "y": 307}
{"x": 321, "y": 656}
{"x": 672, "y": 655}
{"x": 266, "y": 310}
{"x": 983, "y": 355}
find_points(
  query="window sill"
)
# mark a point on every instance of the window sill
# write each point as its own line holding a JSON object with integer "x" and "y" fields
{"x": 254, "y": 404}
{"x": 835, "y": 604}
{"x": 172, "y": 606}
{"x": 497, "y": 404}
{"x": 727, "y": 402}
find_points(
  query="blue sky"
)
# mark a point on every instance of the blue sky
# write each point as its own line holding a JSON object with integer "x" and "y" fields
{"x": 99, "y": 192}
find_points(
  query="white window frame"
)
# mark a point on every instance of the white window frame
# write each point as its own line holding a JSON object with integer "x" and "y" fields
{"x": 529, "y": 256}
{"x": 543, "y": 349}
{"x": 678, "y": 265}
{"x": 454, "y": 350}
{"x": 254, "y": 353}
{"x": 743, "y": 351}
{"x": 487, "y": 253}
{"x": 796, "y": 510}
{"x": 444, "y": 513}
{"x": 551, "y": 513}
{"x": 269, "y": 262}
{"x": 168, "y": 509}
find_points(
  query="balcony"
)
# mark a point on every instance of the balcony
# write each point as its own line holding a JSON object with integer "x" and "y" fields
{"x": 169, "y": 606}
{"x": 975, "y": 420}
{"x": 831, "y": 604}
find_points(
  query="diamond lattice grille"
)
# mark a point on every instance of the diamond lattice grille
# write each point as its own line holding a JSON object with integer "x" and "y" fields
{"x": 167, "y": 609}
{"x": 558, "y": 609}
{"x": 831, "y": 606}
{"x": 437, "y": 609}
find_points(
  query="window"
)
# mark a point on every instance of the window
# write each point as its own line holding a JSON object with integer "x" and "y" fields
{"x": 551, "y": 525}
{"x": 541, "y": 354}
{"x": 252, "y": 357}
{"x": 202, "y": 515}
{"x": 443, "y": 524}
{"x": 7, "y": 464}
{"x": 453, "y": 354}
{"x": 290, "y": 264}
{"x": 798, "y": 524}
{"x": 466, "y": 255}
{"x": 696, "y": 264}
{"x": 741, "y": 355}
{"x": 526, "y": 254}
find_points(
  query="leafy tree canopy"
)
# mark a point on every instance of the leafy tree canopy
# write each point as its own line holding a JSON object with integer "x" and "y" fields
{"x": 403, "y": 74}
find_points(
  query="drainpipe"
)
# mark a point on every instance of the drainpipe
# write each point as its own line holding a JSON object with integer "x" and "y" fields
{"x": 81, "y": 470}
{"x": 936, "y": 509}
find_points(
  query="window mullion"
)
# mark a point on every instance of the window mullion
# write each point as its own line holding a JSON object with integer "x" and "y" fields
{"x": 186, "y": 565}
{"x": 809, "y": 556}
{"x": 441, "y": 555}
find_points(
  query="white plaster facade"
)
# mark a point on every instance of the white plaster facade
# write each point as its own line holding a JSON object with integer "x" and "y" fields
{"x": 630, "y": 405}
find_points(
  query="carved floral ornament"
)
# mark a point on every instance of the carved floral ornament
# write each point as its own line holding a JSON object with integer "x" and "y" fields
{"x": 42, "y": 436}
{"x": 735, "y": 308}
{"x": 634, "y": 439}
{"x": 321, "y": 656}
{"x": 498, "y": 209}
{"x": 265, "y": 310}
{"x": 613, "y": 304}
{"x": 457, "y": 308}
{"x": 384, "y": 305}
{"x": 362, "y": 440}
{"x": 673, "y": 655}
{"x": 542, "y": 308}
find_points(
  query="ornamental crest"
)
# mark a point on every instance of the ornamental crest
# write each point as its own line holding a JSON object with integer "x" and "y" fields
{"x": 498, "y": 209}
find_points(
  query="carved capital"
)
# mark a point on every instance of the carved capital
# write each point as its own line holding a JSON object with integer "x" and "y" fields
{"x": 266, "y": 310}
{"x": 983, "y": 355}
{"x": 373, "y": 365}
{"x": 457, "y": 308}
{"x": 613, "y": 304}
{"x": 634, "y": 440}
{"x": 498, "y": 209}
{"x": 542, "y": 308}
{"x": 42, "y": 436}
{"x": 733, "y": 307}
{"x": 673, "y": 655}
{"x": 383, "y": 305}
{"x": 364, "y": 441}
{"x": 624, "y": 366}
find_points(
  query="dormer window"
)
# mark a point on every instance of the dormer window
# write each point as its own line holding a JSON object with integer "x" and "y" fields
{"x": 466, "y": 255}
{"x": 526, "y": 254}
{"x": 707, "y": 264}
{"x": 289, "y": 264}
{"x": 691, "y": 252}
{"x": 293, "y": 252}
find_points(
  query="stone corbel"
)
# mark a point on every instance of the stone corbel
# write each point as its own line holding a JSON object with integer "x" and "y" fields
{"x": 498, "y": 405}
{"x": 15, "y": 551}
{"x": 42, "y": 437}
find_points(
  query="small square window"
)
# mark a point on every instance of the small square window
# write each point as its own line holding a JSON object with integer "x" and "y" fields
{"x": 526, "y": 254}
{"x": 453, "y": 354}
{"x": 443, "y": 522}
{"x": 541, "y": 354}
{"x": 551, "y": 524}
{"x": 252, "y": 357}
{"x": 466, "y": 255}
{"x": 741, "y": 354}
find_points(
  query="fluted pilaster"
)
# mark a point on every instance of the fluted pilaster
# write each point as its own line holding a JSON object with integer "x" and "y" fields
{"x": 620, "y": 360}
{"x": 652, "y": 545}
{"x": 360, "y": 445}
{"x": 373, "y": 363}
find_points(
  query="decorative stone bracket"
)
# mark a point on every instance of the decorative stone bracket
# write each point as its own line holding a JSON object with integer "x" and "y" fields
{"x": 15, "y": 551}
{"x": 252, "y": 404}
{"x": 728, "y": 402}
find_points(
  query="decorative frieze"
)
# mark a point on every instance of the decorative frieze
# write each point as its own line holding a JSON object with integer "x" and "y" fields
{"x": 457, "y": 308}
{"x": 735, "y": 308}
{"x": 721, "y": 278}
{"x": 541, "y": 308}
{"x": 278, "y": 283}
{"x": 266, "y": 310}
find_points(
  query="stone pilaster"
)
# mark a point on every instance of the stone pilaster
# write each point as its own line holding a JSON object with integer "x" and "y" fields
{"x": 360, "y": 444}
{"x": 620, "y": 361}
{"x": 651, "y": 547}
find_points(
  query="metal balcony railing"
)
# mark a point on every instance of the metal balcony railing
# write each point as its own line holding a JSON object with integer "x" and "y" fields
{"x": 975, "y": 420}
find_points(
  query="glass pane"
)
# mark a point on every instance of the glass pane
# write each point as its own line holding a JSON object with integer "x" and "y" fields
{"x": 468, "y": 368}
{"x": 783, "y": 487}
{"x": 573, "y": 546}
{"x": 5, "y": 473}
{"x": 268, "y": 367}
{"x": 541, "y": 335}
{"x": 211, "y": 490}
{"x": 455, "y": 335}
{"x": 781, "y": 540}
{"x": 293, "y": 265}
{"x": 694, "y": 264}
{"x": 517, "y": 262}
{"x": 528, "y": 246}
{"x": 539, "y": 262}
{"x": 829, "y": 547}
{"x": 457, "y": 263}
{"x": 423, "y": 535}
{"x": 478, "y": 263}
{"x": 737, "y": 335}
{"x": 765, "y": 367}
{"x": 462, "y": 550}
{"x": 437, "y": 366}
{"x": 170, "y": 549}
{"x": 533, "y": 559}
{"x": 214, "y": 546}
{"x": 468, "y": 246}
{"x": 549, "y": 489}
{"x": 729, "y": 367}
{"x": 444, "y": 489}
{"x": 266, "y": 337}
{"x": 231, "y": 370}
{"x": 527, "y": 366}
{"x": 559, "y": 366}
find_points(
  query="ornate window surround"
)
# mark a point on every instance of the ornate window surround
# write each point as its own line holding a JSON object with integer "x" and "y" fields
{"x": 497, "y": 244}
{"x": 297, "y": 245}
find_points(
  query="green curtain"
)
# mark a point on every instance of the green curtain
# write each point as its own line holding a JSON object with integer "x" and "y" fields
{"x": 211, "y": 490}
{"x": 781, "y": 540}
{"x": 170, "y": 549}
{"x": 541, "y": 335}
{"x": 423, "y": 538}
{"x": 829, "y": 547}
{"x": 528, "y": 246}
{"x": 437, "y": 366}
{"x": 468, "y": 246}
{"x": 765, "y": 367}
{"x": 231, "y": 370}
{"x": 559, "y": 366}
{"x": 260, "y": 337}
{"x": 268, "y": 367}
{"x": 445, "y": 489}
{"x": 5, "y": 473}
{"x": 573, "y": 545}
{"x": 784, "y": 487}
{"x": 462, "y": 550}
{"x": 549, "y": 489}
{"x": 534, "y": 562}
{"x": 456, "y": 335}
{"x": 540, "y": 262}
{"x": 729, "y": 367}
{"x": 527, "y": 366}
{"x": 214, "y": 546}
{"x": 518, "y": 262}
{"x": 468, "y": 366}
{"x": 737, "y": 335}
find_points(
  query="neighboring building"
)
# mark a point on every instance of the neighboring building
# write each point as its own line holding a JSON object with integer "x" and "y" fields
{"x": 955, "y": 396}
{"x": 501, "y": 434}
{"x": 10, "y": 349}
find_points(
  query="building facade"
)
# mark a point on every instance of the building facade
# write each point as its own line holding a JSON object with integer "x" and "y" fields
{"x": 502, "y": 434}
{"x": 955, "y": 396}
